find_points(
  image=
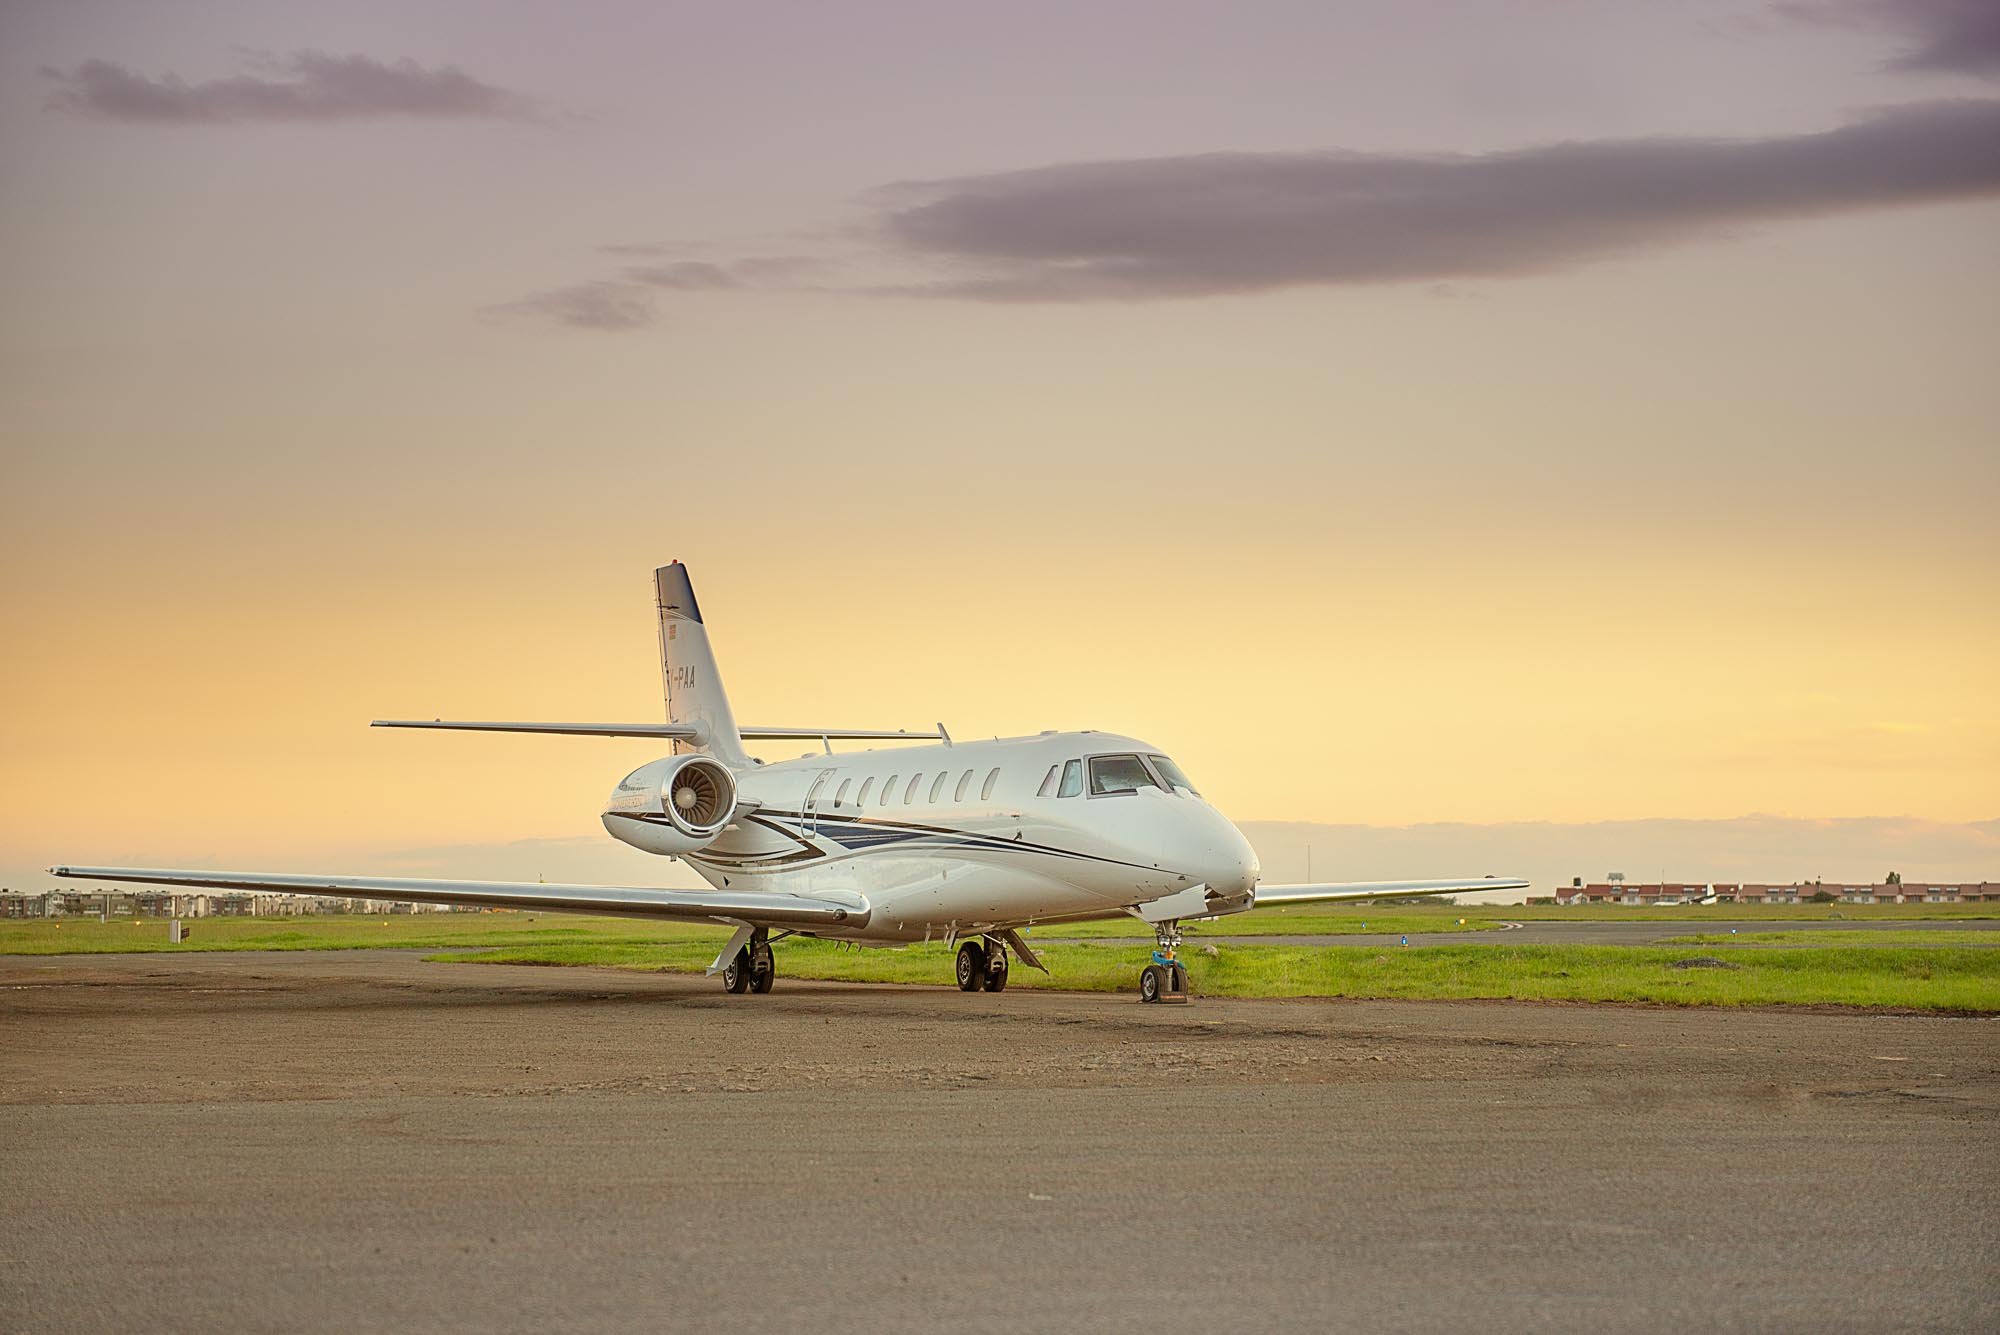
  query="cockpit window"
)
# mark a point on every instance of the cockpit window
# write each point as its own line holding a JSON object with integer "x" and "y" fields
{"x": 1072, "y": 780}
{"x": 1119, "y": 774}
{"x": 1172, "y": 773}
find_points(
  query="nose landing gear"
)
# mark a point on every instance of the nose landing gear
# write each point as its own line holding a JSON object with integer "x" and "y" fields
{"x": 981, "y": 965}
{"x": 1165, "y": 980}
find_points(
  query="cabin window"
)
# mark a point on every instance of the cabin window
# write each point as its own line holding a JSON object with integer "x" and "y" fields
{"x": 986, "y": 789}
{"x": 1048, "y": 783}
{"x": 861, "y": 798}
{"x": 889, "y": 790}
{"x": 1072, "y": 779}
{"x": 937, "y": 786}
{"x": 964, "y": 782}
{"x": 910, "y": 793}
{"x": 1173, "y": 774}
{"x": 1111, "y": 775}
{"x": 840, "y": 793}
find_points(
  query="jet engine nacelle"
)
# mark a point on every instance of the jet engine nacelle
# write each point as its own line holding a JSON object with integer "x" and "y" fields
{"x": 676, "y": 805}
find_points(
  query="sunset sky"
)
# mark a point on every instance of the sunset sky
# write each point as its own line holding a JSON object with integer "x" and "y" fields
{"x": 1554, "y": 410}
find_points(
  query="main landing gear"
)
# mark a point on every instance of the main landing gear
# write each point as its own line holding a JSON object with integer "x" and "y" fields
{"x": 1165, "y": 980}
{"x": 982, "y": 965}
{"x": 753, "y": 969}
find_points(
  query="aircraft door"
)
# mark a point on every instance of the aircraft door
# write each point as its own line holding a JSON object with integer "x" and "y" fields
{"x": 816, "y": 794}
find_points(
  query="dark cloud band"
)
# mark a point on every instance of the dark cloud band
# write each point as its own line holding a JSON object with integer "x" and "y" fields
{"x": 1243, "y": 222}
{"x": 305, "y": 86}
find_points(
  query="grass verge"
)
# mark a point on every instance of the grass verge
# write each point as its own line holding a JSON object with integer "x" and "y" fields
{"x": 1918, "y": 978}
{"x": 1303, "y": 921}
{"x": 1834, "y": 936}
{"x": 1728, "y": 912}
{"x": 83, "y": 936}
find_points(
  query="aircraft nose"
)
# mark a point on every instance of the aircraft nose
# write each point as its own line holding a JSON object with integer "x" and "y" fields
{"x": 1230, "y": 866}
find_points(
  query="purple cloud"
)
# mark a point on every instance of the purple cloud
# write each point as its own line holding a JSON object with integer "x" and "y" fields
{"x": 684, "y": 276}
{"x": 1245, "y": 222}
{"x": 603, "y": 306}
{"x": 304, "y": 86}
{"x": 1953, "y": 36}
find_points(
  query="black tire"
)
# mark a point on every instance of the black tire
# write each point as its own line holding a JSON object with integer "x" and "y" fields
{"x": 1151, "y": 983}
{"x": 736, "y": 974}
{"x": 971, "y": 966}
{"x": 763, "y": 969}
{"x": 996, "y": 971}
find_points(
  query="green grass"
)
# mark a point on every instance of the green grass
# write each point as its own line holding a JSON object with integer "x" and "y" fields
{"x": 1908, "y": 974}
{"x": 1920, "y": 978}
{"x": 67, "y": 936}
{"x": 75, "y": 936}
{"x": 1306, "y": 920}
{"x": 1724, "y": 912}
{"x": 1834, "y": 936}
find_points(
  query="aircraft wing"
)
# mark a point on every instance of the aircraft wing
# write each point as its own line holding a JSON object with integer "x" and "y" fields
{"x": 763, "y": 908}
{"x": 1352, "y": 891}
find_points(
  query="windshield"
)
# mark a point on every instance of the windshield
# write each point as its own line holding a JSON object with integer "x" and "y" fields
{"x": 1119, "y": 774}
{"x": 1172, "y": 774}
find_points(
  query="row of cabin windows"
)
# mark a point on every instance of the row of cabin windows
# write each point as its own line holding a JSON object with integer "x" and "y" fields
{"x": 910, "y": 789}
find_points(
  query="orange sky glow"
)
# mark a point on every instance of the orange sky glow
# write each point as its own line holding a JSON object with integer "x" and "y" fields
{"x": 295, "y": 438}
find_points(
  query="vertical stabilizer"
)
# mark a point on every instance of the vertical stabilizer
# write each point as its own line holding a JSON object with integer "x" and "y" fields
{"x": 687, "y": 664}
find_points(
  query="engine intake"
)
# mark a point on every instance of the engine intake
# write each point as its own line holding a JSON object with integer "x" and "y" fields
{"x": 700, "y": 796}
{"x": 676, "y": 805}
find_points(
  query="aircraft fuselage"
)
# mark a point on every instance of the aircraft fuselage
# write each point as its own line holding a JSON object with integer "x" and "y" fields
{"x": 949, "y": 839}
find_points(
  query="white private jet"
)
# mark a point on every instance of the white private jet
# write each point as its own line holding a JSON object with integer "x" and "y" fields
{"x": 967, "y": 842}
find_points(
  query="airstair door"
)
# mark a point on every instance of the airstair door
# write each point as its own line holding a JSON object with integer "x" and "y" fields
{"x": 814, "y": 796}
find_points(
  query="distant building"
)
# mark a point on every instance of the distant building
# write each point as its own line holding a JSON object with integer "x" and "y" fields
{"x": 1845, "y": 892}
{"x": 168, "y": 903}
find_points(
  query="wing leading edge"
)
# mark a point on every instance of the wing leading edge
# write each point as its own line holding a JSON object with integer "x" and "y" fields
{"x": 1354, "y": 891}
{"x": 758, "y": 907}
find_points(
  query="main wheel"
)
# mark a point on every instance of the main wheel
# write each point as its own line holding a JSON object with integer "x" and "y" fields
{"x": 996, "y": 971}
{"x": 736, "y": 973}
{"x": 1152, "y": 983}
{"x": 971, "y": 966}
{"x": 763, "y": 969}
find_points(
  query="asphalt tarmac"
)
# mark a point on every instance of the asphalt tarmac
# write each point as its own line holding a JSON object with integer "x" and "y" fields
{"x": 362, "y": 1141}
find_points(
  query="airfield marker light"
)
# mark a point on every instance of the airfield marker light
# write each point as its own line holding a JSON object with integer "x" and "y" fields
{"x": 1406, "y": 940}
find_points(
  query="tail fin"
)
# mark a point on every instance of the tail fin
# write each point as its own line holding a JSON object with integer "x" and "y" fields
{"x": 694, "y": 689}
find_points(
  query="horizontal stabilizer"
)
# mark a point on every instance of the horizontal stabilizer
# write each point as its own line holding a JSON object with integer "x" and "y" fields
{"x": 1355, "y": 891}
{"x": 685, "y": 732}
{"x": 761, "y": 907}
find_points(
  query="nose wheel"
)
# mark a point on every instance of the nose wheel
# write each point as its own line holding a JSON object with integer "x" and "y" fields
{"x": 1165, "y": 979}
